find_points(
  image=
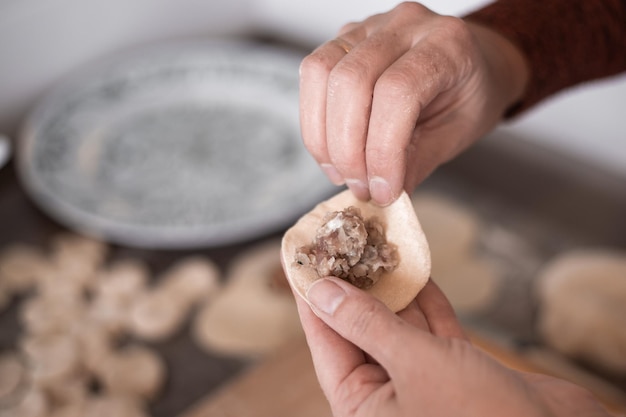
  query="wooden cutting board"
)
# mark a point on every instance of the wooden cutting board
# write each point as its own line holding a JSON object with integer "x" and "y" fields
{"x": 285, "y": 385}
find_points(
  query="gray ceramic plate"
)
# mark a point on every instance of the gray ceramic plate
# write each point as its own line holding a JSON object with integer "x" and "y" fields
{"x": 187, "y": 145}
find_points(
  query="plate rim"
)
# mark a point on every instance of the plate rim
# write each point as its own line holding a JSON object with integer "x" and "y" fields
{"x": 135, "y": 235}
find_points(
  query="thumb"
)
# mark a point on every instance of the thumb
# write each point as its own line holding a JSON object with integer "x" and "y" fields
{"x": 364, "y": 321}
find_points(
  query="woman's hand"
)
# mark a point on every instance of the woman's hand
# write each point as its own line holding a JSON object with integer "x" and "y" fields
{"x": 394, "y": 96}
{"x": 371, "y": 362}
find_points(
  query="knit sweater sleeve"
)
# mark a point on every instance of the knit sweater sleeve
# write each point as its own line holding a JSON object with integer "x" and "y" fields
{"x": 565, "y": 42}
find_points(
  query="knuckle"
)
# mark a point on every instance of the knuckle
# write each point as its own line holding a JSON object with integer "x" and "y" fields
{"x": 315, "y": 64}
{"x": 455, "y": 34}
{"x": 365, "y": 320}
{"x": 349, "y": 76}
{"x": 348, "y": 27}
{"x": 402, "y": 88}
{"x": 453, "y": 28}
{"x": 396, "y": 83}
{"x": 405, "y": 15}
{"x": 346, "y": 397}
{"x": 411, "y": 9}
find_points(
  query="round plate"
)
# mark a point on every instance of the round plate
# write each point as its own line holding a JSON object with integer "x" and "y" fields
{"x": 181, "y": 146}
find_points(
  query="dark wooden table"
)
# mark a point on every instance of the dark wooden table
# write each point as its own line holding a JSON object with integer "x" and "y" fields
{"x": 555, "y": 202}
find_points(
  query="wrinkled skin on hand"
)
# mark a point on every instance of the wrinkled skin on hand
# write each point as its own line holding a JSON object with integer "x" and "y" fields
{"x": 381, "y": 107}
{"x": 371, "y": 362}
{"x": 414, "y": 89}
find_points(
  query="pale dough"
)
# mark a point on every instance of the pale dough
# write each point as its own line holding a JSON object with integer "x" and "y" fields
{"x": 123, "y": 280}
{"x": 470, "y": 284}
{"x": 133, "y": 371}
{"x": 114, "y": 292}
{"x": 78, "y": 257}
{"x": 46, "y": 315}
{"x": 33, "y": 403}
{"x": 582, "y": 296}
{"x": 75, "y": 312}
{"x": 451, "y": 229}
{"x": 51, "y": 359}
{"x": 156, "y": 315}
{"x": 468, "y": 280}
{"x": 192, "y": 279}
{"x": 106, "y": 405}
{"x": 20, "y": 268}
{"x": 251, "y": 316}
{"x": 13, "y": 375}
{"x": 397, "y": 288}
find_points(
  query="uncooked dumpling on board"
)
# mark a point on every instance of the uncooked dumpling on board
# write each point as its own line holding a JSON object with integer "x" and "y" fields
{"x": 254, "y": 314}
{"x": 468, "y": 280}
{"x": 582, "y": 310}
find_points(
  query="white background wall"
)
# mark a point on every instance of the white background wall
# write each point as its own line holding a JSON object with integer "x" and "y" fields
{"x": 40, "y": 41}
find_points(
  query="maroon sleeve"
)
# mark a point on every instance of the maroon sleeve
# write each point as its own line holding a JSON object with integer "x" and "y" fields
{"x": 566, "y": 42}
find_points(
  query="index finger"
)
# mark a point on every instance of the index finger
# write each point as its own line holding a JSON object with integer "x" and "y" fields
{"x": 314, "y": 73}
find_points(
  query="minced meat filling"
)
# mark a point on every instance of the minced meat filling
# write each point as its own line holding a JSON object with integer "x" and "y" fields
{"x": 350, "y": 247}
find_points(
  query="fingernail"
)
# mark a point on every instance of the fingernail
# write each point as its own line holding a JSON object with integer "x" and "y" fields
{"x": 333, "y": 175}
{"x": 359, "y": 189}
{"x": 325, "y": 295}
{"x": 381, "y": 191}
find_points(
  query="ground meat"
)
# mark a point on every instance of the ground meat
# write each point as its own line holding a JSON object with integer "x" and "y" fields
{"x": 350, "y": 247}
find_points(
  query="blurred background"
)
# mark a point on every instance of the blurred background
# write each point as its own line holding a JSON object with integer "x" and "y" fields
{"x": 42, "y": 42}
{"x": 538, "y": 208}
